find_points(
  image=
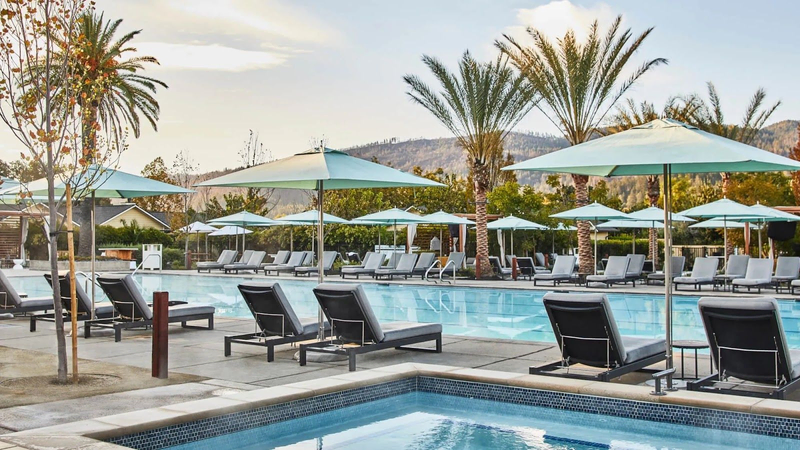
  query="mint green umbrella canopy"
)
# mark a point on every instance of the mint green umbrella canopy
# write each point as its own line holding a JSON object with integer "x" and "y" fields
{"x": 764, "y": 213}
{"x": 310, "y": 217}
{"x": 633, "y": 224}
{"x": 593, "y": 212}
{"x": 443, "y": 218}
{"x": 514, "y": 223}
{"x": 391, "y": 216}
{"x": 717, "y": 222}
{"x": 320, "y": 169}
{"x": 662, "y": 146}
{"x": 655, "y": 213}
{"x": 562, "y": 227}
{"x": 244, "y": 219}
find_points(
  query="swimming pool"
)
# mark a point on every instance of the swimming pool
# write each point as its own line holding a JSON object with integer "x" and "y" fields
{"x": 466, "y": 311}
{"x": 424, "y": 420}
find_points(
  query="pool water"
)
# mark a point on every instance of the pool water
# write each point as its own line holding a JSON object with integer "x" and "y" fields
{"x": 422, "y": 421}
{"x": 466, "y": 311}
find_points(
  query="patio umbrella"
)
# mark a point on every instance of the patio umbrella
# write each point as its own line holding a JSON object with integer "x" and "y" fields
{"x": 560, "y": 227}
{"x": 514, "y": 223}
{"x": 631, "y": 224}
{"x": 718, "y": 223}
{"x": 724, "y": 209}
{"x": 392, "y": 217}
{"x": 105, "y": 182}
{"x": 198, "y": 228}
{"x": 230, "y": 230}
{"x": 594, "y": 212}
{"x": 318, "y": 170}
{"x": 764, "y": 214}
{"x": 443, "y": 218}
{"x": 310, "y": 217}
{"x": 659, "y": 147}
{"x": 244, "y": 219}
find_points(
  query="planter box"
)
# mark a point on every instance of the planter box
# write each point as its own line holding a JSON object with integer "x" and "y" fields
{"x": 82, "y": 266}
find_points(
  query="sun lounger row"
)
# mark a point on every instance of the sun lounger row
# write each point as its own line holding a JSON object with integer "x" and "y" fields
{"x": 743, "y": 271}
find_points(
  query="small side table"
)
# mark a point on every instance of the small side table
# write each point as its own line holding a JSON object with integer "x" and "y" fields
{"x": 692, "y": 345}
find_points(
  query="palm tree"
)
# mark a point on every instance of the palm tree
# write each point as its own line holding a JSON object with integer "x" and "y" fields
{"x": 116, "y": 96}
{"x": 480, "y": 105}
{"x": 629, "y": 115}
{"x": 578, "y": 86}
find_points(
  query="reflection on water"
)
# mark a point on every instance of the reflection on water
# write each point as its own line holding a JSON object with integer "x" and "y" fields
{"x": 492, "y": 313}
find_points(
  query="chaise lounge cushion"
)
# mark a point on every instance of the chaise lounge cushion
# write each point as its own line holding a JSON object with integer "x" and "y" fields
{"x": 639, "y": 348}
{"x": 693, "y": 280}
{"x": 393, "y": 331}
{"x": 189, "y": 310}
{"x": 43, "y": 303}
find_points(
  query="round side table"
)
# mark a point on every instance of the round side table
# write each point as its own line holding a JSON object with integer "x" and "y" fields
{"x": 691, "y": 345}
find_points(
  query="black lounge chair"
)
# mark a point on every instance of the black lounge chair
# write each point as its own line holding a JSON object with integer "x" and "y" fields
{"x": 703, "y": 272}
{"x": 84, "y": 304}
{"x": 353, "y": 322}
{"x": 296, "y": 259}
{"x": 405, "y": 268}
{"x": 276, "y": 321}
{"x": 587, "y": 334}
{"x": 424, "y": 261}
{"x": 526, "y": 268}
{"x": 635, "y": 268}
{"x": 499, "y": 271}
{"x": 132, "y": 311}
{"x": 282, "y": 257}
{"x": 328, "y": 258}
{"x": 616, "y": 272}
{"x": 677, "y": 270}
{"x": 372, "y": 262}
{"x": 540, "y": 261}
{"x": 225, "y": 258}
{"x": 14, "y": 302}
{"x": 747, "y": 343}
{"x": 786, "y": 271}
{"x": 758, "y": 275}
{"x": 455, "y": 261}
{"x": 253, "y": 264}
{"x": 562, "y": 271}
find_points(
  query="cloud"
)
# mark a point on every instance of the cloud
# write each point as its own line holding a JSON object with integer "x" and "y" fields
{"x": 556, "y": 17}
{"x": 209, "y": 57}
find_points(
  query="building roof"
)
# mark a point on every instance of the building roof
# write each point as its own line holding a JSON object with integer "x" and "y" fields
{"x": 105, "y": 213}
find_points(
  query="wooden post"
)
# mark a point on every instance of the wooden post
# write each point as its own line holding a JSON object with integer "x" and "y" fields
{"x": 160, "y": 334}
{"x": 514, "y": 273}
{"x": 73, "y": 313}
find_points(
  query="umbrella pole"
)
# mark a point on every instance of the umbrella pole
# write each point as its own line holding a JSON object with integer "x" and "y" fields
{"x": 668, "y": 267}
{"x": 595, "y": 247}
{"x": 441, "y": 242}
{"x": 634, "y": 241}
{"x": 512, "y": 241}
{"x": 320, "y": 272}
{"x": 94, "y": 239}
{"x": 291, "y": 238}
{"x": 725, "y": 243}
{"x": 759, "y": 240}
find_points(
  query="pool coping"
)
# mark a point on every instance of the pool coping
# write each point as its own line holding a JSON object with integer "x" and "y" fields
{"x": 92, "y": 433}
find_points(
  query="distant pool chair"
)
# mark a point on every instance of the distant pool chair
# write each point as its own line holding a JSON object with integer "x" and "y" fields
{"x": 677, "y": 270}
{"x": 282, "y": 257}
{"x": 275, "y": 320}
{"x": 356, "y": 330}
{"x": 225, "y": 258}
{"x": 132, "y": 311}
{"x": 83, "y": 304}
{"x": 405, "y": 268}
{"x": 296, "y": 259}
{"x": 758, "y": 275}
{"x": 15, "y": 302}
{"x": 616, "y": 272}
{"x": 499, "y": 270}
{"x": 562, "y": 271}
{"x": 703, "y": 272}
{"x": 736, "y": 268}
{"x": 786, "y": 271}
{"x": 635, "y": 268}
{"x": 526, "y": 268}
{"x": 372, "y": 262}
{"x": 253, "y": 264}
{"x": 747, "y": 342}
{"x": 328, "y": 259}
{"x": 587, "y": 334}
{"x": 424, "y": 261}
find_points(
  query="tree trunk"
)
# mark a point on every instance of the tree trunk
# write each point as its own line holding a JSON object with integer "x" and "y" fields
{"x": 84, "y": 218}
{"x": 653, "y": 193}
{"x": 482, "y": 241}
{"x": 585, "y": 252}
{"x": 73, "y": 301}
{"x": 53, "y": 242}
{"x": 726, "y": 185}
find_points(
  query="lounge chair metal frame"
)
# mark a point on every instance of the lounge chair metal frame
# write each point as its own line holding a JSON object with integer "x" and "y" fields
{"x": 782, "y": 383}
{"x": 349, "y": 348}
{"x": 66, "y": 302}
{"x": 263, "y": 339}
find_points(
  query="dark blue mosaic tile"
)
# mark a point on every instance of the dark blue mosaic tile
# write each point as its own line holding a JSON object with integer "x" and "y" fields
{"x": 557, "y": 401}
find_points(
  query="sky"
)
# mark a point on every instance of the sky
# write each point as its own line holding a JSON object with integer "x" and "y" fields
{"x": 301, "y": 70}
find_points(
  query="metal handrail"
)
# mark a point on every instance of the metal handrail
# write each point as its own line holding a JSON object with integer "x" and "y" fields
{"x": 442, "y": 270}
{"x": 160, "y": 263}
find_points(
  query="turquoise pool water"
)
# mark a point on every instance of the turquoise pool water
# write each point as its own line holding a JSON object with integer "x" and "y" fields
{"x": 480, "y": 312}
{"x": 424, "y": 421}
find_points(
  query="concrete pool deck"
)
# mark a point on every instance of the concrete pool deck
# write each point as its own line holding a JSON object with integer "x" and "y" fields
{"x": 200, "y": 353}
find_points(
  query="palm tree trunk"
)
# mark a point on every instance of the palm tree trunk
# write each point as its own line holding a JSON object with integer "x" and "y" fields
{"x": 726, "y": 185}
{"x": 84, "y": 218}
{"x": 585, "y": 253}
{"x": 653, "y": 193}
{"x": 482, "y": 240}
